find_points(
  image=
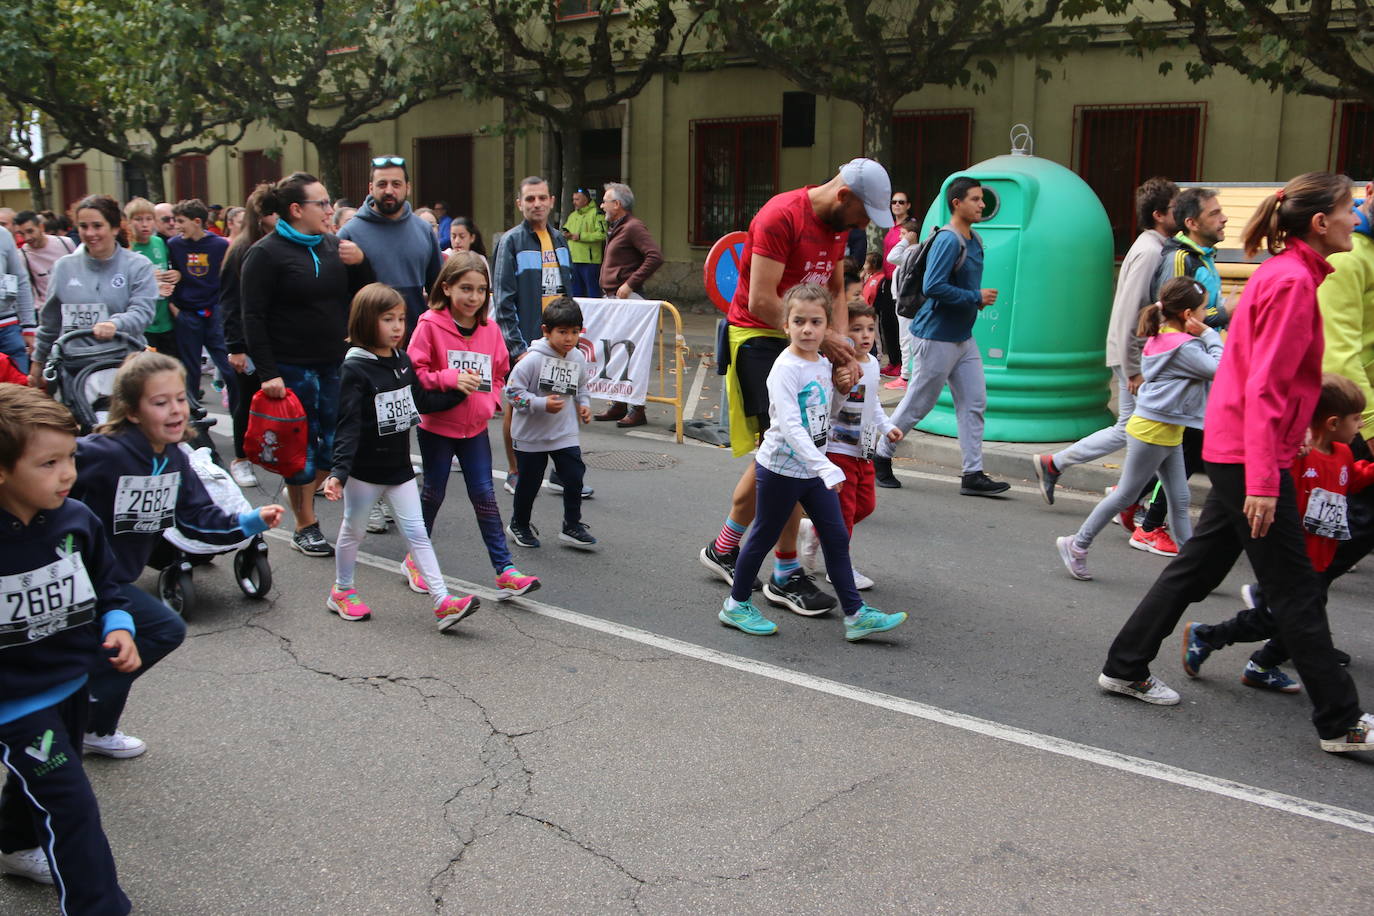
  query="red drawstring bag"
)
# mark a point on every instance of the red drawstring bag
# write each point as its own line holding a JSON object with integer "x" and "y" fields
{"x": 278, "y": 434}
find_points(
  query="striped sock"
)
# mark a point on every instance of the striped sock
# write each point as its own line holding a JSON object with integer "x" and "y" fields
{"x": 783, "y": 564}
{"x": 728, "y": 539}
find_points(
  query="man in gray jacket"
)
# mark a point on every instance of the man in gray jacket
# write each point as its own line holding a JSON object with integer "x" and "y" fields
{"x": 1153, "y": 201}
{"x": 17, "y": 318}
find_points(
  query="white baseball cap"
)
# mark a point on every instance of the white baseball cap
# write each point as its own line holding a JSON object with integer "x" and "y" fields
{"x": 868, "y": 179}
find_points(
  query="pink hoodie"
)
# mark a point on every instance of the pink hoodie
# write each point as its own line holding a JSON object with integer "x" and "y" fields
{"x": 435, "y": 335}
{"x": 1269, "y": 378}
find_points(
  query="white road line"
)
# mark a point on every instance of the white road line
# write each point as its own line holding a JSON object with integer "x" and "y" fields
{"x": 1202, "y": 782}
{"x": 689, "y": 410}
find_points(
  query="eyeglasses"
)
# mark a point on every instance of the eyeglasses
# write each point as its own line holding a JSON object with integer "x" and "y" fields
{"x": 322, "y": 204}
{"x": 166, "y": 219}
{"x": 381, "y": 162}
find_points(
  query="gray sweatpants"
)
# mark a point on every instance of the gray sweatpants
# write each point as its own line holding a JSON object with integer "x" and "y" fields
{"x": 938, "y": 362}
{"x": 1104, "y": 441}
{"x": 1144, "y": 461}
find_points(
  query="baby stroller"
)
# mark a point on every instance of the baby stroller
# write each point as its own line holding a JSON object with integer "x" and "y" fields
{"x": 80, "y": 372}
{"x": 176, "y": 555}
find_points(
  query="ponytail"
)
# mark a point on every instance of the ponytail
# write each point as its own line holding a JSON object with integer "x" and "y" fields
{"x": 1179, "y": 295}
{"x": 290, "y": 190}
{"x": 1288, "y": 212}
{"x": 1151, "y": 320}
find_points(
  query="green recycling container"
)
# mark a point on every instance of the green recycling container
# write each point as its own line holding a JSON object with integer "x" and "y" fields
{"x": 1049, "y": 254}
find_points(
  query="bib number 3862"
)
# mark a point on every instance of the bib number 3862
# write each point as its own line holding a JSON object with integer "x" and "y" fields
{"x": 396, "y": 411}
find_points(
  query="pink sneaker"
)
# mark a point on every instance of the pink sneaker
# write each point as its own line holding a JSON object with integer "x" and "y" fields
{"x": 414, "y": 578}
{"x": 451, "y": 610}
{"x": 346, "y": 603}
{"x": 897, "y": 384}
{"x": 513, "y": 583}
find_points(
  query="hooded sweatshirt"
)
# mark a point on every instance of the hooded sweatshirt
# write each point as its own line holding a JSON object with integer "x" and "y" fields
{"x": 540, "y": 374}
{"x": 84, "y": 291}
{"x": 60, "y": 601}
{"x": 404, "y": 251}
{"x": 16, "y": 293}
{"x": 1178, "y": 370}
{"x": 437, "y": 348}
{"x": 1346, "y": 301}
{"x": 137, "y": 494}
{"x": 380, "y": 399}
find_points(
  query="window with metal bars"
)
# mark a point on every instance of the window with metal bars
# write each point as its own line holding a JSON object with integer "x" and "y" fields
{"x": 1355, "y": 154}
{"x": 355, "y": 168}
{"x": 192, "y": 178}
{"x": 928, "y": 147}
{"x": 258, "y": 166}
{"x": 1120, "y": 146}
{"x": 736, "y": 172}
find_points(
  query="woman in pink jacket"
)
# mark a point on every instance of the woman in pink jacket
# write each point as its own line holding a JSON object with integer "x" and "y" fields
{"x": 455, "y": 337}
{"x": 1261, "y": 403}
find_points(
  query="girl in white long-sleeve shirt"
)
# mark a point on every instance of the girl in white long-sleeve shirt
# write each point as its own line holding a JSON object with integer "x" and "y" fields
{"x": 791, "y": 467}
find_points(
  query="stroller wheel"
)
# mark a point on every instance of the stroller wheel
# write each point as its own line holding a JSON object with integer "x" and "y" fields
{"x": 252, "y": 570}
{"x": 176, "y": 588}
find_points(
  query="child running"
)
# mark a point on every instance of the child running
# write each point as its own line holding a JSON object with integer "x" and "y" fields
{"x": 380, "y": 399}
{"x": 137, "y": 481}
{"x": 858, "y": 424}
{"x": 64, "y": 617}
{"x": 790, "y": 469}
{"x": 1179, "y": 361}
{"x": 1323, "y": 477}
{"x": 550, "y": 375}
{"x": 456, "y": 346}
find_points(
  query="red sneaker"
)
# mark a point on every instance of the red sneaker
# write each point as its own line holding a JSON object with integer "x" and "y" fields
{"x": 890, "y": 371}
{"x": 1156, "y": 542}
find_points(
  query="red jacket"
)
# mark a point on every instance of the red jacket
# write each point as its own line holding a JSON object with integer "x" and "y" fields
{"x": 1340, "y": 475}
{"x": 435, "y": 335}
{"x": 10, "y": 373}
{"x": 1269, "y": 378}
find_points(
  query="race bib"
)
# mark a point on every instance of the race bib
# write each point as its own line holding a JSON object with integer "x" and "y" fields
{"x": 82, "y": 316}
{"x": 468, "y": 361}
{"x": 9, "y": 285}
{"x": 817, "y": 420}
{"x": 1326, "y": 515}
{"x": 868, "y": 447}
{"x": 144, "y": 505}
{"x": 44, "y": 601}
{"x": 551, "y": 276}
{"x": 396, "y": 411}
{"x": 557, "y": 376}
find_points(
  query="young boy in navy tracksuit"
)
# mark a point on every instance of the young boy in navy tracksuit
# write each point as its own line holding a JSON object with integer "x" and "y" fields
{"x": 62, "y": 619}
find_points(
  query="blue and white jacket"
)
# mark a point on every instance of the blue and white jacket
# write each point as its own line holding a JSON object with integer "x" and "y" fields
{"x": 137, "y": 493}
{"x": 518, "y": 283}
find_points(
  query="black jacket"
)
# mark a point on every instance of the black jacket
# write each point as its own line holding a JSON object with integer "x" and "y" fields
{"x": 290, "y": 314}
{"x": 231, "y": 300}
{"x": 379, "y": 451}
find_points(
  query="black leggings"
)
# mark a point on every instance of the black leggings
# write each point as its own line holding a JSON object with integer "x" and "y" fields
{"x": 249, "y": 385}
{"x": 888, "y": 331}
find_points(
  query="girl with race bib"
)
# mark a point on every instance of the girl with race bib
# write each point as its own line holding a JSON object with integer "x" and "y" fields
{"x": 100, "y": 287}
{"x": 791, "y": 468}
{"x": 380, "y": 399}
{"x": 132, "y": 475}
{"x": 457, "y": 345}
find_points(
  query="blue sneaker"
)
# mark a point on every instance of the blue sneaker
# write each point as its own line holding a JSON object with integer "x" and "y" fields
{"x": 747, "y": 619}
{"x": 869, "y": 621}
{"x": 1195, "y": 651}
{"x": 1268, "y": 679}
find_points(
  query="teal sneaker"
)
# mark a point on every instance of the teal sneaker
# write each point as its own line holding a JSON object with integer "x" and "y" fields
{"x": 870, "y": 621}
{"x": 747, "y": 619}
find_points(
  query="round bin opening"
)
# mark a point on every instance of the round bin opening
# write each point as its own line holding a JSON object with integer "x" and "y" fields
{"x": 991, "y": 203}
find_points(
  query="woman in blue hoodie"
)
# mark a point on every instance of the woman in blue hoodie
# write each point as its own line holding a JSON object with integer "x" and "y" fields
{"x": 134, "y": 478}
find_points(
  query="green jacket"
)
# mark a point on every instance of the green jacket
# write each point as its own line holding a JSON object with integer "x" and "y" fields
{"x": 590, "y": 225}
{"x": 1346, "y": 299}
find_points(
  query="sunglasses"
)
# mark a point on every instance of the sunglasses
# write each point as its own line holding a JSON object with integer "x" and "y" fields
{"x": 381, "y": 162}
{"x": 898, "y": 200}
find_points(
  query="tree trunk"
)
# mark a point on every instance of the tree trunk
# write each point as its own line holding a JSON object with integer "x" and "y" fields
{"x": 38, "y": 193}
{"x": 157, "y": 187}
{"x": 331, "y": 172}
{"x": 509, "y": 213}
{"x": 570, "y": 129}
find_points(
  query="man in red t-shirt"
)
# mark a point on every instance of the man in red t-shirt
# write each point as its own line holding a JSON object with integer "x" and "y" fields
{"x": 797, "y": 237}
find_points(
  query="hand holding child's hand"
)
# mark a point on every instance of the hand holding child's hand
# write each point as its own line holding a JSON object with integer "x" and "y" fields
{"x": 554, "y": 403}
{"x": 271, "y": 515}
{"x": 333, "y": 489}
{"x": 896, "y": 436}
{"x": 584, "y": 413}
{"x": 125, "y": 660}
{"x": 468, "y": 382}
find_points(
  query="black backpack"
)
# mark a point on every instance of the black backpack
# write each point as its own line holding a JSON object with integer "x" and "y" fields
{"x": 909, "y": 292}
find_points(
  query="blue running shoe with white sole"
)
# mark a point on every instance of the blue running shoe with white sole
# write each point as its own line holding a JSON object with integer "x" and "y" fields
{"x": 1268, "y": 679}
{"x": 1195, "y": 651}
{"x": 746, "y": 618}
{"x": 869, "y": 621}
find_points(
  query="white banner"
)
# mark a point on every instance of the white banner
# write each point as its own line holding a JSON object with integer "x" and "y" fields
{"x": 618, "y": 342}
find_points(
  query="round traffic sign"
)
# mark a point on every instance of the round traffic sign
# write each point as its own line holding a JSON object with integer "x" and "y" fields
{"x": 722, "y": 268}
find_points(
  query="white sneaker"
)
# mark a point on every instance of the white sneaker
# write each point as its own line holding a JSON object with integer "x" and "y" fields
{"x": 26, "y": 863}
{"x": 1359, "y": 737}
{"x": 118, "y": 745}
{"x": 1150, "y": 691}
{"x": 376, "y": 518}
{"x": 861, "y": 582}
{"x": 808, "y": 545}
{"x": 242, "y": 471}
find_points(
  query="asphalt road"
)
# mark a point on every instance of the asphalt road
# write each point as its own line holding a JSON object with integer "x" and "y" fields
{"x": 634, "y": 755}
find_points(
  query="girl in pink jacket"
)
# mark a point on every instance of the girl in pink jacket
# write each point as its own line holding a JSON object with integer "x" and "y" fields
{"x": 456, "y": 338}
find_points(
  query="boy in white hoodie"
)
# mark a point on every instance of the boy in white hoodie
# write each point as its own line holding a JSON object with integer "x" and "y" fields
{"x": 550, "y": 374}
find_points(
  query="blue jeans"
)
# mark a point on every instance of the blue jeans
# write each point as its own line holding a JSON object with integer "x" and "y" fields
{"x": 195, "y": 331}
{"x": 158, "y": 631}
{"x": 12, "y": 343}
{"x": 436, "y": 454}
{"x": 586, "y": 280}
{"x": 317, "y": 387}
